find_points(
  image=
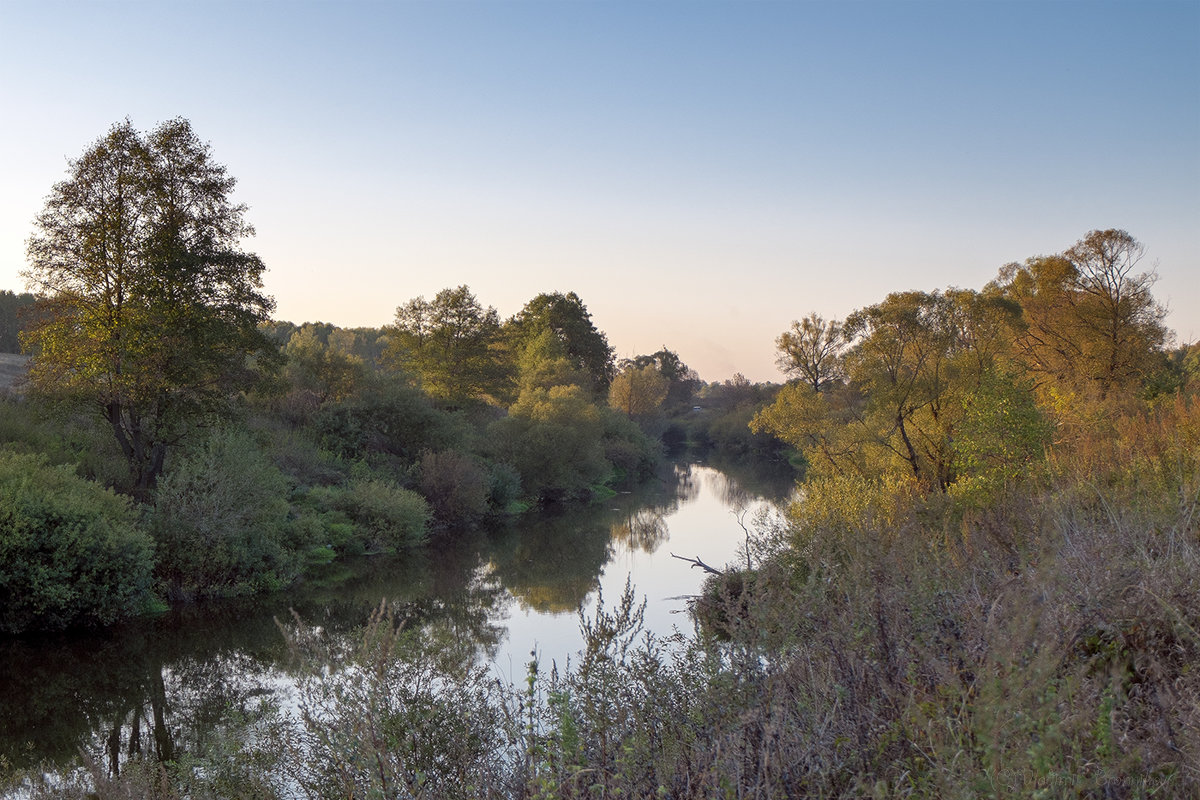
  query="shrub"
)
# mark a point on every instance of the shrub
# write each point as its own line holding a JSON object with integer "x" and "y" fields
{"x": 398, "y": 711}
{"x": 220, "y": 519}
{"x": 70, "y": 551}
{"x": 390, "y": 420}
{"x": 504, "y": 488}
{"x": 554, "y": 439}
{"x": 626, "y": 447}
{"x": 455, "y": 486}
{"x": 388, "y": 516}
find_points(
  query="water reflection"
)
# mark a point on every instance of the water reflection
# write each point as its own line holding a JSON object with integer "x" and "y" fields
{"x": 160, "y": 686}
{"x": 643, "y": 530}
{"x": 552, "y": 565}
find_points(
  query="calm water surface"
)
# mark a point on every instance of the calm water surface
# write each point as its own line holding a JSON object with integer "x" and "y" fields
{"x": 160, "y": 685}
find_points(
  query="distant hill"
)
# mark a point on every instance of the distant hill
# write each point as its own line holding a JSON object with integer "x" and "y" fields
{"x": 12, "y": 367}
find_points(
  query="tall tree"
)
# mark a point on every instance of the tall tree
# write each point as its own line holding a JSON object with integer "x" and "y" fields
{"x": 638, "y": 391}
{"x": 910, "y": 362}
{"x": 682, "y": 381}
{"x": 1090, "y": 317}
{"x": 448, "y": 344}
{"x": 811, "y": 351}
{"x": 151, "y": 304}
{"x": 567, "y": 319}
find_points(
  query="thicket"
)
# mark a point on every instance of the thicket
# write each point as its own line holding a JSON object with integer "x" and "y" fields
{"x": 341, "y": 451}
{"x": 71, "y": 552}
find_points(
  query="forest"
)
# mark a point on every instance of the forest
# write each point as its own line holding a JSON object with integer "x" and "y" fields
{"x": 986, "y": 584}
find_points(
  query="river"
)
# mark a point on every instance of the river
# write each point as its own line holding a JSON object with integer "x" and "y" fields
{"x": 159, "y": 685}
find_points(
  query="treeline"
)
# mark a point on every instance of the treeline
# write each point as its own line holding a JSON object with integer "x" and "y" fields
{"x": 960, "y": 390}
{"x": 349, "y": 441}
{"x": 242, "y": 450}
{"x": 988, "y": 586}
{"x": 11, "y": 309}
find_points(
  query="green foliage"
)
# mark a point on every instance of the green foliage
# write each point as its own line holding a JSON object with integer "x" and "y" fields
{"x": 388, "y": 420}
{"x": 403, "y": 711}
{"x": 504, "y": 488}
{"x": 1001, "y": 439}
{"x": 220, "y": 518}
{"x": 71, "y": 552}
{"x": 12, "y": 306}
{"x": 630, "y": 451}
{"x": 322, "y": 370}
{"x": 543, "y": 363}
{"x": 151, "y": 305}
{"x": 64, "y": 437}
{"x": 565, "y": 320}
{"x": 448, "y": 344}
{"x": 388, "y": 516}
{"x": 553, "y": 438}
{"x": 638, "y": 391}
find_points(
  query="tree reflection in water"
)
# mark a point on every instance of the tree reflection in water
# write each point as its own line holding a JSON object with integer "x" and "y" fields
{"x": 162, "y": 686}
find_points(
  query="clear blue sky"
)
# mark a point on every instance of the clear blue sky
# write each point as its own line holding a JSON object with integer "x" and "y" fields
{"x": 700, "y": 173}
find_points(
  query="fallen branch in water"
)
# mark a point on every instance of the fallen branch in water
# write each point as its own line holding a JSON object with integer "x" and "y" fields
{"x": 696, "y": 562}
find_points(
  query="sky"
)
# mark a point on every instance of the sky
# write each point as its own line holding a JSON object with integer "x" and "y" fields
{"x": 699, "y": 173}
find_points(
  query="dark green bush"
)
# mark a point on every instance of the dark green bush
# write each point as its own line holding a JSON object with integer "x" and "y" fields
{"x": 554, "y": 439}
{"x": 504, "y": 488}
{"x": 455, "y": 486}
{"x": 630, "y": 451}
{"x": 221, "y": 521}
{"x": 386, "y": 515}
{"x": 70, "y": 551}
{"x": 390, "y": 420}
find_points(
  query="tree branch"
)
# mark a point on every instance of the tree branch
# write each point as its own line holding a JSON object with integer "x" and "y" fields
{"x": 696, "y": 562}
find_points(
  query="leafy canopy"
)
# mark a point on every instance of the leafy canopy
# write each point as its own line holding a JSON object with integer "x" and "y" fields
{"x": 151, "y": 305}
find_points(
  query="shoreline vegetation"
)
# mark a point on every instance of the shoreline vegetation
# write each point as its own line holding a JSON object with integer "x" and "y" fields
{"x": 987, "y": 587}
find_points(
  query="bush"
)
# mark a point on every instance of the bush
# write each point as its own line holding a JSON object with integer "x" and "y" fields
{"x": 504, "y": 488}
{"x": 70, "y": 551}
{"x": 64, "y": 437}
{"x": 390, "y": 420}
{"x": 626, "y": 447}
{"x": 554, "y": 440}
{"x": 388, "y": 516}
{"x": 398, "y": 711}
{"x": 221, "y": 521}
{"x": 455, "y": 486}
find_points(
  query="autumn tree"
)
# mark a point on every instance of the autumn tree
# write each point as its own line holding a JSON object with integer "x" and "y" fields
{"x": 682, "y": 381}
{"x": 448, "y": 344}
{"x": 909, "y": 364}
{"x": 151, "y": 305}
{"x": 811, "y": 351}
{"x": 638, "y": 391}
{"x": 1090, "y": 319}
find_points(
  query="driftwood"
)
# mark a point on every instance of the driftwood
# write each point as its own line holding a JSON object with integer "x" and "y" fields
{"x": 696, "y": 562}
